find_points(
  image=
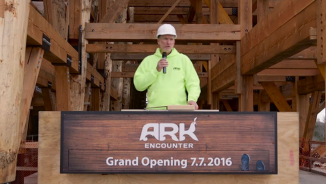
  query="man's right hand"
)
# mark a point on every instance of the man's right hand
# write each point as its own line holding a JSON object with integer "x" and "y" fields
{"x": 162, "y": 63}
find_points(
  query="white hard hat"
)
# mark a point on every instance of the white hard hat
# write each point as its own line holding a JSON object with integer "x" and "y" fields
{"x": 166, "y": 29}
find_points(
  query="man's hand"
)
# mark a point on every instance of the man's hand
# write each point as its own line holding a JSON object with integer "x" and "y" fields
{"x": 191, "y": 102}
{"x": 162, "y": 63}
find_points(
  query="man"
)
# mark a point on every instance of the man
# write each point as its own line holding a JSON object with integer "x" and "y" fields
{"x": 168, "y": 88}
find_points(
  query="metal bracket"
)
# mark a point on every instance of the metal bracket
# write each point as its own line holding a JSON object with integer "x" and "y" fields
{"x": 290, "y": 78}
{"x": 49, "y": 84}
{"x": 80, "y": 49}
{"x": 235, "y": 11}
{"x": 69, "y": 60}
{"x": 46, "y": 43}
{"x": 256, "y": 90}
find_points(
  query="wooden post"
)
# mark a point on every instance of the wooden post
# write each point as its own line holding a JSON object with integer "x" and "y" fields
{"x": 49, "y": 99}
{"x": 13, "y": 33}
{"x": 263, "y": 106}
{"x": 95, "y": 102}
{"x": 214, "y": 12}
{"x": 78, "y": 82}
{"x": 33, "y": 61}
{"x": 88, "y": 93}
{"x": 62, "y": 80}
{"x": 117, "y": 67}
{"x": 246, "y": 83}
{"x": 276, "y": 96}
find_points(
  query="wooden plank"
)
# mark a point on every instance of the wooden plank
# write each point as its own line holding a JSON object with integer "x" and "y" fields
{"x": 222, "y": 16}
{"x": 246, "y": 99}
{"x": 321, "y": 33}
{"x": 63, "y": 88}
{"x": 276, "y": 96}
{"x": 114, "y": 8}
{"x": 49, "y": 154}
{"x": 55, "y": 13}
{"x": 146, "y": 48}
{"x": 169, "y": 11}
{"x": 140, "y": 57}
{"x": 117, "y": 84}
{"x": 311, "y": 118}
{"x": 59, "y": 49}
{"x": 147, "y": 32}
{"x": 289, "y": 72}
{"x": 311, "y": 84}
{"x": 279, "y": 44}
{"x": 13, "y": 31}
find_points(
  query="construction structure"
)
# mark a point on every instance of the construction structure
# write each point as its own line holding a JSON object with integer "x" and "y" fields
{"x": 81, "y": 55}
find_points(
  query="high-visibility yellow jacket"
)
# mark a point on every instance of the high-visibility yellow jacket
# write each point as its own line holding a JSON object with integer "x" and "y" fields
{"x": 170, "y": 88}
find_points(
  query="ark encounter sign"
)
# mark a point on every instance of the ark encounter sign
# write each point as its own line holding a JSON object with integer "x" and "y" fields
{"x": 169, "y": 142}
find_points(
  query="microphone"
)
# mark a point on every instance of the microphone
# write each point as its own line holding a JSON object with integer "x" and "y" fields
{"x": 164, "y": 56}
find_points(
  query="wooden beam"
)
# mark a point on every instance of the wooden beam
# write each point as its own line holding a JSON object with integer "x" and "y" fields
{"x": 306, "y": 54}
{"x": 140, "y": 57}
{"x": 183, "y": 11}
{"x": 183, "y": 3}
{"x": 146, "y": 48}
{"x": 289, "y": 72}
{"x": 221, "y": 14}
{"x": 311, "y": 84}
{"x": 262, "y": 9}
{"x": 263, "y": 106}
{"x": 75, "y": 14}
{"x": 63, "y": 88}
{"x": 295, "y": 64}
{"x": 59, "y": 49}
{"x": 278, "y": 45}
{"x": 132, "y": 73}
{"x": 55, "y": 12}
{"x": 311, "y": 118}
{"x": 321, "y": 33}
{"x": 147, "y": 32}
{"x": 276, "y": 96}
{"x": 95, "y": 102}
{"x": 12, "y": 60}
{"x": 78, "y": 82}
{"x": 169, "y": 11}
{"x": 49, "y": 99}
{"x": 227, "y": 105}
{"x": 225, "y": 79}
{"x": 114, "y": 8}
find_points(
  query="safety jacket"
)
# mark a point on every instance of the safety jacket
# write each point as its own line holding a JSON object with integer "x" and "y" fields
{"x": 169, "y": 88}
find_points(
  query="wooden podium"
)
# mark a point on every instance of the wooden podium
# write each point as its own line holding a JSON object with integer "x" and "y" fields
{"x": 49, "y": 157}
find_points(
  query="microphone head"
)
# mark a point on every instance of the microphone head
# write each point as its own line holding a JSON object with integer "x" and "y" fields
{"x": 164, "y": 55}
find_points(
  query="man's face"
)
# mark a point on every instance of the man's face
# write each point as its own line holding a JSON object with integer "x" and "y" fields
{"x": 166, "y": 43}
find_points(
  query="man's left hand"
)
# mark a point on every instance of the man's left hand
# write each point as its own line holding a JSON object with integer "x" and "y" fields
{"x": 191, "y": 102}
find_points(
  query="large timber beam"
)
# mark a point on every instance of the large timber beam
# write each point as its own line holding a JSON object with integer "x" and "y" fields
{"x": 13, "y": 29}
{"x": 279, "y": 35}
{"x": 222, "y": 74}
{"x": 168, "y": 3}
{"x": 59, "y": 48}
{"x": 276, "y": 96}
{"x": 140, "y": 57}
{"x": 186, "y": 49}
{"x": 147, "y": 32}
{"x": 311, "y": 84}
